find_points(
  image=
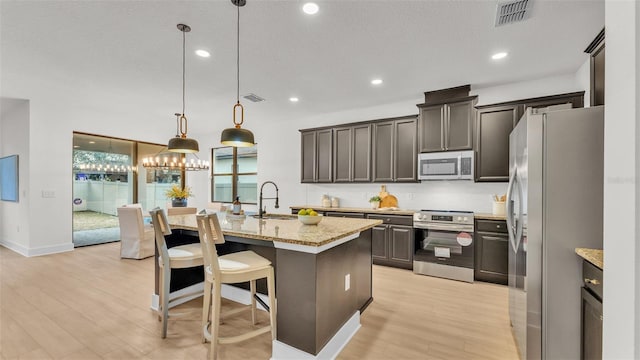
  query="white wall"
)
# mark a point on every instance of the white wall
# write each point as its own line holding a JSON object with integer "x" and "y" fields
{"x": 14, "y": 139}
{"x": 621, "y": 305}
{"x": 552, "y": 85}
{"x": 583, "y": 80}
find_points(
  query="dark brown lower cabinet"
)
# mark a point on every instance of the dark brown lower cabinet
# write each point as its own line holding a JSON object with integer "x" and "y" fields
{"x": 591, "y": 326}
{"x": 491, "y": 261}
{"x": 591, "y": 312}
{"x": 392, "y": 245}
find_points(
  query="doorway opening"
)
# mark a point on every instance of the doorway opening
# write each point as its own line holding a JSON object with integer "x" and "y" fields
{"x": 106, "y": 175}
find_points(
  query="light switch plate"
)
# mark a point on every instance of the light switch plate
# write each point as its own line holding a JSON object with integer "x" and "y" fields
{"x": 347, "y": 282}
{"x": 48, "y": 194}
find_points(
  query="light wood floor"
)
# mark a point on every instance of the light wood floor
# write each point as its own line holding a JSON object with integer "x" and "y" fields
{"x": 90, "y": 304}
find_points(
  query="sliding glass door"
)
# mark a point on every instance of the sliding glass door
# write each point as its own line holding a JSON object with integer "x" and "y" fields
{"x": 107, "y": 174}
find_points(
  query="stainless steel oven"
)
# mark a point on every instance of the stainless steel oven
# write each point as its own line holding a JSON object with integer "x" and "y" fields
{"x": 444, "y": 244}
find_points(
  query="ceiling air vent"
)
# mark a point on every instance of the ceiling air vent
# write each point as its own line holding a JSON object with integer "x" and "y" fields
{"x": 512, "y": 11}
{"x": 253, "y": 97}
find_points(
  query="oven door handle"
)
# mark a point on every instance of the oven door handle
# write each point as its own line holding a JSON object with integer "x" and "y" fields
{"x": 445, "y": 227}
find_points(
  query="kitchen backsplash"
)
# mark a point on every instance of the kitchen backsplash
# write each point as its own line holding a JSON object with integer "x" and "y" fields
{"x": 437, "y": 195}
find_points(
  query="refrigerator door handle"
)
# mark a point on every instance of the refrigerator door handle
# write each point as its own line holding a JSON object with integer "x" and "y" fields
{"x": 509, "y": 209}
{"x": 520, "y": 220}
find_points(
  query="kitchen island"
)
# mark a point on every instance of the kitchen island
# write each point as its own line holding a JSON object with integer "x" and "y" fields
{"x": 323, "y": 275}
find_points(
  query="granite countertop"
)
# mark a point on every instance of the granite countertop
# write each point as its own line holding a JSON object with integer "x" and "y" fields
{"x": 489, "y": 216}
{"x": 594, "y": 256}
{"x": 356, "y": 210}
{"x": 289, "y": 231}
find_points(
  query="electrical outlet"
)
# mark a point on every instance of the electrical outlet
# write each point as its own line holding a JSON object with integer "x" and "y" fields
{"x": 347, "y": 282}
{"x": 48, "y": 194}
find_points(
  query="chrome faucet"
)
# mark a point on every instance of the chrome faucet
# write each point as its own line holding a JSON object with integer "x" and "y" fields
{"x": 260, "y": 210}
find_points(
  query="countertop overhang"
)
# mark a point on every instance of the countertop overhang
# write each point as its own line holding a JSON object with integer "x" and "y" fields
{"x": 594, "y": 256}
{"x": 288, "y": 231}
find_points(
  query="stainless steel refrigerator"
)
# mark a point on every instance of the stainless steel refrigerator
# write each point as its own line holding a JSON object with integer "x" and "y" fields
{"x": 554, "y": 205}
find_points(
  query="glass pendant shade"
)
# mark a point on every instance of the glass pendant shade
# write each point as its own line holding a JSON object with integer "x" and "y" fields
{"x": 237, "y": 137}
{"x": 183, "y": 145}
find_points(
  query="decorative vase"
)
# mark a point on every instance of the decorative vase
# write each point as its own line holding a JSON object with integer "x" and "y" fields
{"x": 179, "y": 202}
{"x": 375, "y": 204}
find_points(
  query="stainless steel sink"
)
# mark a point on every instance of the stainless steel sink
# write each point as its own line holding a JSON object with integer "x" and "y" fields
{"x": 275, "y": 217}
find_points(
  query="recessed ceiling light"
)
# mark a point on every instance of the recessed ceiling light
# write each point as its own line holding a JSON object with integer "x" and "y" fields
{"x": 498, "y": 56}
{"x": 293, "y": 99}
{"x": 376, "y": 81}
{"x": 76, "y": 146}
{"x": 310, "y": 8}
{"x": 92, "y": 142}
{"x": 202, "y": 53}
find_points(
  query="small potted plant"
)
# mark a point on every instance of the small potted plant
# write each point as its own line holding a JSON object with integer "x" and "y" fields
{"x": 375, "y": 201}
{"x": 179, "y": 195}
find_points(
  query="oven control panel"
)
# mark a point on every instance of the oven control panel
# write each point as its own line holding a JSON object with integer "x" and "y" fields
{"x": 444, "y": 217}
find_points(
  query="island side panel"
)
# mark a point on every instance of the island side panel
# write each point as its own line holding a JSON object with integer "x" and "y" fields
{"x": 312, "y": 301}
{"x": 335, "y": 303}
{"x": 296, "y": 299}
{"x": 364, "y": 292}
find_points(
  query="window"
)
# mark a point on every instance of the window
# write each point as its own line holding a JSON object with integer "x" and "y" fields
{"x": 234, "y": 173}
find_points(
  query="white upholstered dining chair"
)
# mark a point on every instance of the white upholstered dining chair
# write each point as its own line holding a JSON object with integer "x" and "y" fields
{"x": 244, "y": 266}
{"x": 177, "y": 257}
{"x": 136, "y": 239}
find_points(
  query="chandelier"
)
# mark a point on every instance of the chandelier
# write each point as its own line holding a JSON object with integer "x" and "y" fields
{"x": 106, "y": 168}
{"x": 175, "y": 163}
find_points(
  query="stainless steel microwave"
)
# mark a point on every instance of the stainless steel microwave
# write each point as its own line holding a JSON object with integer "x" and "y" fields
{"x": 449, "y": 165}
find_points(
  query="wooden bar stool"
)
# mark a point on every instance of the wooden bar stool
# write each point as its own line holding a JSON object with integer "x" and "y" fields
{"x": 177, "y": 257}
{"x": 181, "y": 211}
{"x": 230, "y": 269}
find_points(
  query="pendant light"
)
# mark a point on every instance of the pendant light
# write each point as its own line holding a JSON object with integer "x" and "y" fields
{"x": 237, "y": 136}
{"x": 181, "y": 143}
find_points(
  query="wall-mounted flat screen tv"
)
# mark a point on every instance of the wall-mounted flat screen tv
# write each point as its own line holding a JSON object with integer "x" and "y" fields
{"x": 9, "y": 178}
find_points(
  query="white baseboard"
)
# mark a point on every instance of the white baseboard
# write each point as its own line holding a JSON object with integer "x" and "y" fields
{"x": 241, "y": 296}
{"x": 333, "y": 348}
{"x": 196, "y": 289}
{"x": 29, "y": 252}
{"x": 233, "y": 293}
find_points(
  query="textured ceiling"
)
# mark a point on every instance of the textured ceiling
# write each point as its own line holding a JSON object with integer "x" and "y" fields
{"x": 92, "y": 52}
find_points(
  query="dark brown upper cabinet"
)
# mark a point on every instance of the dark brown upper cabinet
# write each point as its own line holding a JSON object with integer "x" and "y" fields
{"x": 446, "y": 126}
{"x": 493, "y": 126}
{"x": 352, "y": 153}
{"x": 495, "y": 122}
{"x": 383, "y": 150}
{"x": 316, "y": 154}
{"x": 394, "y": 150}
{"x": 596, "y": 51}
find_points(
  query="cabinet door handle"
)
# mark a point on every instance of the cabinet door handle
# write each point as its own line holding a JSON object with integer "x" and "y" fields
{"x": 493, "y": 238}
{"x": 591, "y": 281}
{"x": 446, "y": 145}
{"x": 442, "y": 128}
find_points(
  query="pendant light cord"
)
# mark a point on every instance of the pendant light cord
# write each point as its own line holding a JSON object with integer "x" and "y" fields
{"x": 183, "y": 68}
{"x": 238, "y": 57}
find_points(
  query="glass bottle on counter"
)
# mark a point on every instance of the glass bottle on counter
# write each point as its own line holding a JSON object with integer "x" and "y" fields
{"x": 237, "y": 206}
